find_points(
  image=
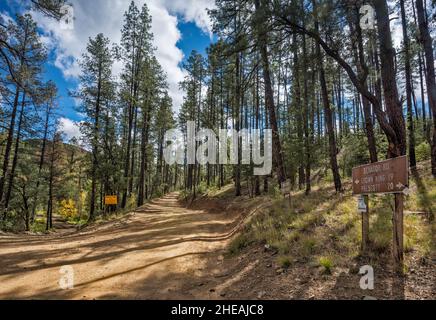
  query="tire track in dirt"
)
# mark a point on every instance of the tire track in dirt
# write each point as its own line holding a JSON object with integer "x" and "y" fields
{"x": 151, "y": 254}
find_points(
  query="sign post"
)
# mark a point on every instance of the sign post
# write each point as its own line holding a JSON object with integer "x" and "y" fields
{"x": 386, "y": 177}
{"x": 286, "y": 190}
{"x": 111, "y": 200}
{"x": 363, "y": 208}
{"x": 397, "y": 221}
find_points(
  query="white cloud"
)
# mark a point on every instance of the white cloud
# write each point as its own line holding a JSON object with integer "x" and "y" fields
{"x": 193, "y": 11}
{"x": 166, "y": 36}
{"x": 70, "y": 128}
{"x": 93, "y": 17}
{"x": 5, "y": 18}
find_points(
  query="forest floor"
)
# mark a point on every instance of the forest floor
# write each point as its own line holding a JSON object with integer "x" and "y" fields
{"x": 222, "y": 247}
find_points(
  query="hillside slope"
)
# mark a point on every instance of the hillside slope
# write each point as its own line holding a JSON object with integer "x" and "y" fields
{"x": 310, "y": 248}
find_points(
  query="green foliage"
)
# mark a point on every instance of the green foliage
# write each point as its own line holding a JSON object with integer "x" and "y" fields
{"x": 10, "y": 224}
{"x": 308, "y": 246}
{"x": 354, "y": 152}
{"x": 132, "y": 200}
{"x": 327, "y": 264}
{"x": 274, "y": 191}
{"x": 423, "y": 151}
{"x": 284, "y": 262}
{"x": 51, "y": 8}
{"x": 38, "y": 226}
{"x": 238, "y": 244}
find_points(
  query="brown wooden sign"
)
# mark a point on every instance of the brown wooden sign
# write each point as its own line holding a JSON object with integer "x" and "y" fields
{"x": 390, "y": 176}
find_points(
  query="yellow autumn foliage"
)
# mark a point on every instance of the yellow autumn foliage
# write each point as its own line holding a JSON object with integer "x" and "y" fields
{"x": 67, "y": 208}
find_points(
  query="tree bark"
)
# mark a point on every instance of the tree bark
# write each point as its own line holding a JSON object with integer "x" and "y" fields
{"x": 8, "y": 149}
{"x": 269, "y": 96}
{"x": 362, "y": 71}
{"x": 16, "y": 152}
{"x": 41, "y": 160}
{"x": 390, "y": 90}
{"x": 327, "y": 111}
{"x": 427, "y": 43}
{"x": 411, "y": 126}
{"x": 95, "y": 148}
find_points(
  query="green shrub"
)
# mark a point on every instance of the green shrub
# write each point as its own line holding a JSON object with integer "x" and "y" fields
{"x": 274, "y": 191}
{"x": 184, "y": 194}
{"x": 38, "y": 226}
{"x": 284, "y": 262}
{"x": 354, "y": 152}
{"x": 308, "y": 246}
{"x": 327, "y": 264}
{"x": 423, "y": 151}
{"x": 239, "y": 243}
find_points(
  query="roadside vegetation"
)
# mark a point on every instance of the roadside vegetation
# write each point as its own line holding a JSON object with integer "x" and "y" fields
{"x": 324, "y": 228}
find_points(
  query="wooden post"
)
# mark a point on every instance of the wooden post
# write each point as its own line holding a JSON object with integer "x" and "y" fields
{"x": 286, "y": 190}
{"x": 389, "y": 176}
{"x": 365, "y": 226}
{"x": 397, "y": 222}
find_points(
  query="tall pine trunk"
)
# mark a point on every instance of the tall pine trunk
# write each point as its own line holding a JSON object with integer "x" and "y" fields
{"x": 411, "y": 126}
{"x": 393, "y": 105}
{"x": 363, "y": 71}
{"x": 16, "y": 152}
{"x": 95, "y": 148}
{"x": 427, "y": 43}
{"x": 269, "y": 94}
{"x": 327, "y": 111}
{"x": 8, "y": 148}
{"x": 41, "y": 161}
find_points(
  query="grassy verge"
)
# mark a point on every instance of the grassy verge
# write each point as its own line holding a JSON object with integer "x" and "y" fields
{"x": 324, "y": 228}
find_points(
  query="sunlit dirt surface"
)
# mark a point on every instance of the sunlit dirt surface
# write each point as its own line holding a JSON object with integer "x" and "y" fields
{"x": 156, "y": 252}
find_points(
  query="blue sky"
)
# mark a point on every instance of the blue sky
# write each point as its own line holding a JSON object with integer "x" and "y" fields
{"x": 179, "y": 26}
{"x": 193, "y": 38}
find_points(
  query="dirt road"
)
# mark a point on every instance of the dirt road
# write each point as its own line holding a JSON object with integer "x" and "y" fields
{"x": 154, "y": 252}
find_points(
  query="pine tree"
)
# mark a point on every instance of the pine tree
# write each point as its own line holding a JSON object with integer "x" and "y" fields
{"x": 136, "y": 49}
{"x": 28, "y": 54}
{"x": 97, "y": 88}
{"x": 427, "y": 43}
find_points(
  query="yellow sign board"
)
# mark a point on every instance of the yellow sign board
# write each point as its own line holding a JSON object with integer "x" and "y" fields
{"x": 111, "y": 200}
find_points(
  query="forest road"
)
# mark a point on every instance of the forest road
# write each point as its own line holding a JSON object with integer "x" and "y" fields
{"x": 155, "y": 252}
